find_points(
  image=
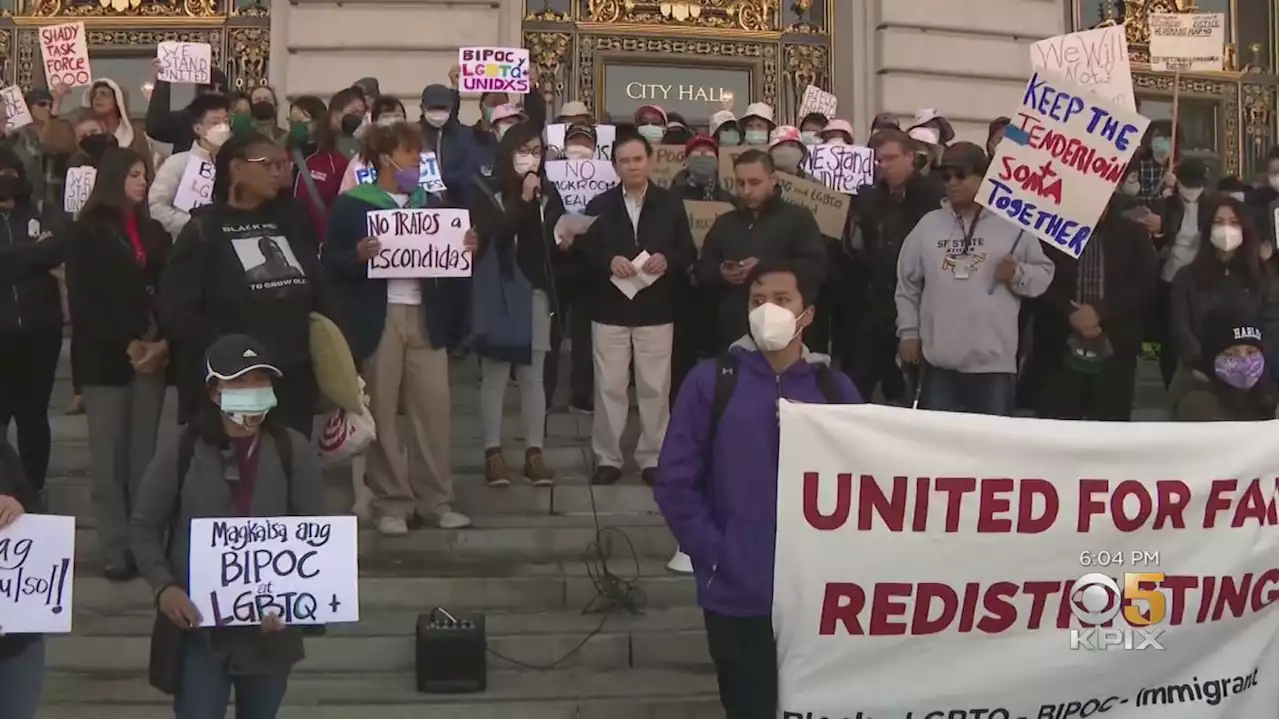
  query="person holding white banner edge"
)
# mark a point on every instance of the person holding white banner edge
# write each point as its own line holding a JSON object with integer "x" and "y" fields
{"x": 21, "y": 655}
{"x": 209, "y": 115}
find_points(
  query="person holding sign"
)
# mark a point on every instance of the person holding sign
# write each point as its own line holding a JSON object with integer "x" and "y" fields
{"x": 235, "y": 458}
{"x": 44, "y": 145}
{"x": 21, "y": 655}
{"x": 399, "y": 331}
{"x": 110, "y": 105}
{"x": 185, "y": 179}
{"x": 174, "y": 126}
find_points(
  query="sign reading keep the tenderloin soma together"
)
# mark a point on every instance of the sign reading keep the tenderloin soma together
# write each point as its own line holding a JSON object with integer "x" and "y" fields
{"x": 1060, "y": 161}
{"x": 935, "y": 565}
{"x": 37, "y": 554}
{"x": 420, "y": 243}
{"x": 301, "y": 569}
{"x": 66, "y": 55}
{"x": 493, "y": 69}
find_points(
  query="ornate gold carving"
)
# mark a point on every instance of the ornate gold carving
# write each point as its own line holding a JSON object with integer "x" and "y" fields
{"x": 549, "y": 50}
{"x": 547, "y": 16}
{"x": 1259, "y": 116}
{"x": 252, "y": 8}
{"x": 806, "y": 65}
{"x": 249, "y": 48}
{"x": 124, "y": 8}
{"x": 1227, "y": 94}
{"x": 1255, "y": 65}
{"x": 29, "y": 72}
{"x": 750, "y": 15}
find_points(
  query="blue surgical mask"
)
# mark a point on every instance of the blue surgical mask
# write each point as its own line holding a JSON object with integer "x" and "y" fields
{"x": 809, "y": 137}
{"x": 730, "y": 138}
{"x": 652, "y": 133}
{"x": 757, "y": 137}
{"x": 1160, "y": 148}
{"x": 242, "y": 404}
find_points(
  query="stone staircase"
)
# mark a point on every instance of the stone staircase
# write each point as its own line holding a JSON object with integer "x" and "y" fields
{"x": 524, "y": 564}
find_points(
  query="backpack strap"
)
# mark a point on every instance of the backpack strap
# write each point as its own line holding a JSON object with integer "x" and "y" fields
{"x": 304, "y": 173}
{"x": 186, "y": 453}
{"x": 827, "y": 384}
{"x": 726, "y": 381}
{"x": 284, "y": 448}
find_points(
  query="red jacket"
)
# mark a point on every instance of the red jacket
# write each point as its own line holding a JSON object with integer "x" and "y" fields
{"x": 326, "y": 169}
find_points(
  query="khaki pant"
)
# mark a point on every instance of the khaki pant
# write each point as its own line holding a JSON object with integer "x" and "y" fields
{"x": 406, "y": 371}
{"x": 613, "y": 351}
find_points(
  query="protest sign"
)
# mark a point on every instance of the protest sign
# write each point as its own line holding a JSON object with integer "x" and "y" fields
{"x": 927, "y": 560}
{"x": 553, "y": 138}
{"x": 363, "y": 173}
{"x": 843, "y": 168}
{"x": 188, "y": 62}
{"x": 578, "y": 181}
{"x": 830, "y": 207}
{"x": 816, "y": 100}
{"x": 702, "y": 215}
{"x": 1060, "y": 161}
{"x": 727, "y": 156}
{"x": 429, "y": 173}
{"x": 1187, "y": 42}
{"x": 16, "y": 112}
{"x": 1094, "y": 59}
{"x": 420, "y": 243}
{"x": 302, "y": 569}
{"x": 493, "y": 69}
{"x": 606, "y": 135}
{"x": 196, "y": 188}
{"x": 37, "y": 568}
{"x": 66, "y": 55}
{"x": 77, "y": 188}
{"x": 668, "y": 161}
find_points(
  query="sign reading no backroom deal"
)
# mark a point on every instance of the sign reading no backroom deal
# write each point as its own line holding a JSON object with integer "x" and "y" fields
{"x": 944, "y": 566}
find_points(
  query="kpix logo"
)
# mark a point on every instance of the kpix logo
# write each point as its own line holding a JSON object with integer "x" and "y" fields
{"x": 1096, "y": 600}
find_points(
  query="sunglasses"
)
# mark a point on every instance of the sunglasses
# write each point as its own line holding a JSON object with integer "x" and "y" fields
{"x": 951, "y": 173}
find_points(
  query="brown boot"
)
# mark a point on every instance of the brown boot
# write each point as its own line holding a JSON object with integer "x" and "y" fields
{"x": 495, "y": 468}
{"x": 536, "y": 469}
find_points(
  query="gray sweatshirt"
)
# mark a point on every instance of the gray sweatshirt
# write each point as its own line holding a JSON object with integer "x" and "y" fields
{"x": 964, "y": 324}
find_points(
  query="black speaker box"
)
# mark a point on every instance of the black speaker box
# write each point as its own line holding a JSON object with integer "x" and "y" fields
{"x": 452, "y": 653}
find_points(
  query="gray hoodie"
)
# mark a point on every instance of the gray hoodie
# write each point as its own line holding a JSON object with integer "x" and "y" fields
{"x": 968, "y": 325}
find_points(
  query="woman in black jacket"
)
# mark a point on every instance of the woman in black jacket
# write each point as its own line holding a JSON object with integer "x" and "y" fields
{"x": 114, "y": 253}
{"x": 21, "y": 655}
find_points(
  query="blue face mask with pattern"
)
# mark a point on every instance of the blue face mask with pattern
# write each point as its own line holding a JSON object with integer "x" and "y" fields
{"x": 1240, "y": 372}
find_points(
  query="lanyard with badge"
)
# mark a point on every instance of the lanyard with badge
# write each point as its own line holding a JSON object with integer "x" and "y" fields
{"x": 962, "y": 265}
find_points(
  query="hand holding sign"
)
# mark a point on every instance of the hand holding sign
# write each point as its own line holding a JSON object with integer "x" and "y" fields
{"x": 66, "y": 55}
{"x": 176, "y": 605}
{"x": 185, "y": 62}
{"x": 10, "y": 510}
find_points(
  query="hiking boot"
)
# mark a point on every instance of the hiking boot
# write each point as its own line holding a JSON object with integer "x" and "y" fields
{"x": 606, "y": 475}
{"x": 536, "y": 469}
{"x": 495, "y": 468}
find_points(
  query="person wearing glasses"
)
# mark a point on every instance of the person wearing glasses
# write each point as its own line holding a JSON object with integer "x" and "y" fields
{"x": 246, "y": 264}
{"x": 44, "y": 146}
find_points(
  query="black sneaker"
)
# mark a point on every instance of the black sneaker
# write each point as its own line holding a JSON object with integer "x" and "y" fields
{"x": 606, "y": 475}
{"x": 648, "y": 475}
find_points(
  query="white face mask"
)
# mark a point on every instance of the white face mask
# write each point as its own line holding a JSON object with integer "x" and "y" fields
{"x": 652, "y": 133}
{"x": 1226, "y": 237}
{"x": 389, "y": 120}
{"x": 217, "y": 135}
{"x": 524, "y": 163}
{"x": 1131, "y": 187}
{"x": 772, "y": 326}
{"x": 579, "y": 152}
{"x": 436, "y": 118}
{"x": 1190, "y": 194}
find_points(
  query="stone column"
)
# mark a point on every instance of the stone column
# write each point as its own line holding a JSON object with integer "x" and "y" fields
{"x": 853, "y": 35}
{"x": 278, "y": 60}
{"x": 510, "y": 23}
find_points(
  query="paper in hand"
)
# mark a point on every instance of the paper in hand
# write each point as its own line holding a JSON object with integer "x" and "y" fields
{"x": 631, "y": 286}
{"x": 571, "y": 226}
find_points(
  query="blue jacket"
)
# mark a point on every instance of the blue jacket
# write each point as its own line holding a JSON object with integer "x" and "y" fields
{"x": 720, "y": 496}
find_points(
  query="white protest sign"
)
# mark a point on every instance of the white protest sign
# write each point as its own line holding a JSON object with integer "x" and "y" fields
{"x": 606, "y": 135}
{"x": 817, "y": 100}
{"x": 1095, "y": 59}
{"x": 66, "y": 55}
{"x": 15, "y": 108}
{"x": 1187, "y": 42}
{"x": 843, "y": 168}
{"x": 429, "y": 173}
{"x": 37, "y": 568}
{"x": 363, "y": 173}
{"x": 196, "y": 188}
{"x": 77, "y": 188}
{"x": 1060, "y": 161}
{"x": 578, "y": 181}
{"x": 493, "y": 69}
{"x": 302, "y": 569}
{"x": 420, "y": 243}
{"x": 1029, "y": 567}
{"x": 553, "y": 138}
{"x": 188, "y": 62}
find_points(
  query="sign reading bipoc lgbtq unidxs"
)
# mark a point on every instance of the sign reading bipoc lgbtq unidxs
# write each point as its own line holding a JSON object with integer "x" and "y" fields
{"x": 1060, "y": 161}
{"x": 301, "y": 569}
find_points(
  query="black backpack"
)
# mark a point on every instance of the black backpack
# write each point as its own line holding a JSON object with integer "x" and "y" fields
{"x": 727, "y": 381}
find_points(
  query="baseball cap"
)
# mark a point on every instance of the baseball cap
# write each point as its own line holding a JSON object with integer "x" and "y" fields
{"x": 506, "y": 112}
{"x": 232, "y": 356}
{"x": 1225, "y": 327}
{"x": 761, "y": 110}
{"x": 580, "y": 130}
{"x": 573, "y": 109}
{"x": 701, "y": 140}
{"x": 437, "y": 96}
{"x": 964, "y": 156}
{"x": 38, "y": 94}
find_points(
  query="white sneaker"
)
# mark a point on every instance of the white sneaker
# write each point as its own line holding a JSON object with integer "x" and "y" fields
{"x": 392, "y": 526}
{"x": 450, "y": 519}
{"x": 680, "y": 563}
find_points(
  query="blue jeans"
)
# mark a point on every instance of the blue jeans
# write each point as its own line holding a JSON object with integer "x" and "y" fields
{"x": 204, "y": 690}
{"x": 946, "y": 390}
{"x": 22, "y": 682}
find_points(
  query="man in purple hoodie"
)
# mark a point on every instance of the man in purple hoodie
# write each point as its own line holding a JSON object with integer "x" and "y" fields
{"x": 717, "y": 482}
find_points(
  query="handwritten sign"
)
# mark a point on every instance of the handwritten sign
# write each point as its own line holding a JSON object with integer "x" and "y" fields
{"x": 77, "y": 188}
{"x": 364, "y": 174}
{"x": 189, "y": 62}
{"x": 66, "y": 55}
{"x": 702, "y": 215}
{"x": 1060, "y": 160}
{"x": 1187, "y": 42}
{"x": 727, "y": 156}
{"x": 429, "y": 173}
{"x": 578, "y": 181}
{"x": 830, "y": 207}
{"x": 301, "y": 569}
{"x": 817, "y": 100}
{"x": 493, "y": 69}
{"x": 16, "y": 112}
{"x": 668, "y": 161}
{"x": 605, "y": 137}
{"x": 37, "y": 555}
{"x": 196, "y": 188}
{"x": 1096, "y": 59}
{"x": 420, "y": 243}
{"x": 843, "y": 168}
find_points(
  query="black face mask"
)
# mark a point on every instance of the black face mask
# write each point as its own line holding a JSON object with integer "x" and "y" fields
{"x": 13, "y": 188}
{"x": 95, "y": 145}
{"x": 351, "y": 123}
{"x": 262, "y": 110}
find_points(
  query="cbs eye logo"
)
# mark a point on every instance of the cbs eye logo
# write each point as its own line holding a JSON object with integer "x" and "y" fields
{"x": 1097, "y": 599}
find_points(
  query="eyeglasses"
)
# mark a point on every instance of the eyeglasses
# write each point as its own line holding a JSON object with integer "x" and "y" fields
{"x": 271, "y": 165}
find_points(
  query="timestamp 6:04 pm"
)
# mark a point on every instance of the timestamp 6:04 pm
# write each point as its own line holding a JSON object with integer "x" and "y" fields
{"x": 1119, "y": 558}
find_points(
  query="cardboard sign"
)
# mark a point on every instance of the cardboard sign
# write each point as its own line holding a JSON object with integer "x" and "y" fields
{"x": 1095, "y": 59}
{"x": 420, "y": 243}
{"x": 668, "y": 161}
{"x": 1060, "y": 161}
{"x": 37, "y": 558}
{"x": 830, "y": 208}
{"x": 1187, "y": 42}
{"x": 77, "y": 188}
{"x": 702, "y": 215}
{"x": 66, "y": 55}
{"x": 727, "y": 156}
{"x": 843, "y": 168}
{"x": 17, "y": 113}
{"x": 196, "y": 188}
{"x": 579, "y": 181}
{"x": 493, "y": 69}
{"x": 301, "y": 569}
{"x": 187, "y": 62}
{"x": 816, "y": 100}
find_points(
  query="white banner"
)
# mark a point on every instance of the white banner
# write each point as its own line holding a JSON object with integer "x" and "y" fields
{"x": 935, "y": 565}
{"x": 1097, "y": 59}
{"x": 1193, "y": 42}
{"x": 16, "y": 112}
{"x": 420, "y": 243}
{"x": 302, "y": 569}
{"x": 78, "y": 187}
{"x": 843, "y": 168}
{"x": 37, "y": 570}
